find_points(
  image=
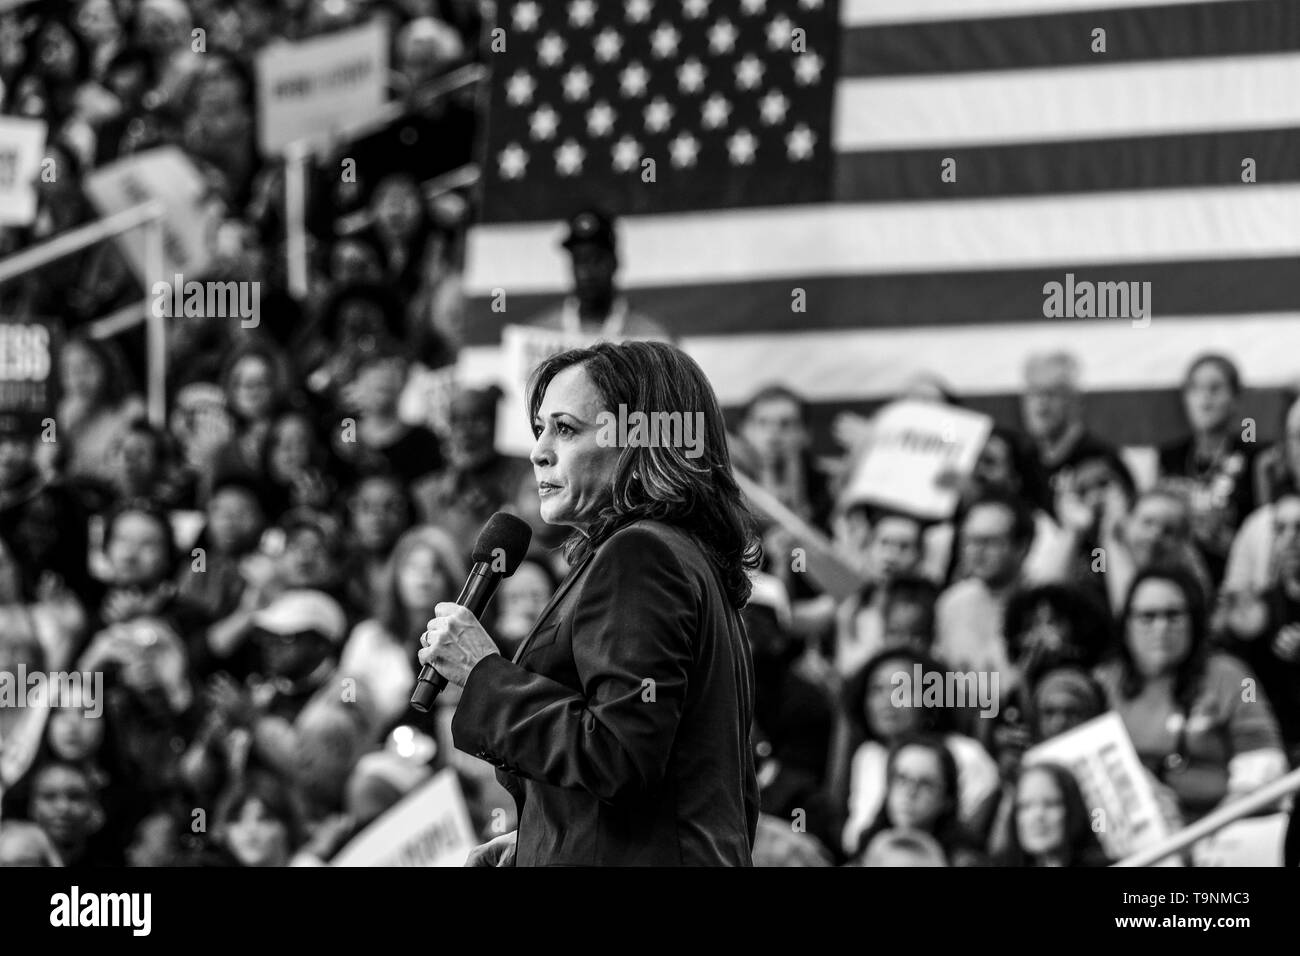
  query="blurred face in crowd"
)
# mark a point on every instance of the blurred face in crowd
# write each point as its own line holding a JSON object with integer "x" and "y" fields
{"x": 73, "y": 736}
{"x": 522, "y": 597}
{"x": 1208, "y": 398}
{"x": 1058, "y": 708}
{"x": 1286, "y": 536}
{"x": 379, "y": 513}
{"x": 136, "y": 463}
{"x": 235, "y": 520}
{"x": 907, "y": 625}
{"x": 988, "y": 550}
{"x": 422, "y": 581}
{"x": 1156, "y": 528}
{"x": 361, "y": 325}
{"x": 256, "y": 837}
{"x": 884, "y": 719}
{"x": 307, "y": 562}
{"x": 775, "y": 429}
{"x": 137, "y": 550}
{"x": 161, "y": 27}
{"x": 1094, "y": 478}
{"x": 593, "y": 272}
{"x": 97, "y": 21}
{"x": 252, "y": 387}
{"x": 58, "y": 53}
{"x": 11, "y": 42}
{"x": 1159, "y": 628}
{"x": 994, "y": 468}
{"x": 916, "y": 796}
{"x": 895, "y": 548}
{"x": 291, "y": 446}
{"x": 15, "y": 459}
{"x": 220, "y": 117}
{"x": 378, "y": 386}
{"x": 397, "y": 207}
{"x": 292, "y": 655}
{"x": 1040, "y": 814}
{"x": 352, "y": 262}
{"x": 63, "y": 804}
{"x": 1050, "y": 403}
{"x": 575, "y": 473}
{"x": 82, "y": 374}
{"x": 473, "y": 426}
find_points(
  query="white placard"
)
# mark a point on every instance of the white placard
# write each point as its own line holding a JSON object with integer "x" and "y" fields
{"x": 22, "y": 143}
{"x": 523, "y": 348}
{"x": 1254, "y": 841}
{"x": 306, "y": 90}
{"x": 430, "y": 827}
{"x": 1101, "y": 756}
{"x": 165, "y": 174}
{"x": 918, "y": 452}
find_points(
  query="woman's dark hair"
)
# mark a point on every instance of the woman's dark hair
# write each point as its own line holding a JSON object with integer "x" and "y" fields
{"x": 1081, "y": 845}
{"x": 1223, "y": 363}
{"x": 1187, "y": 676}
{"x": 698, "y": 495}
{"x": 1091, "y": 631}
{"x": 947, "y": 828}
{"x": 155, "y": 513}
{"x": 270, "y": 791}
{"x": 853, "y": 697}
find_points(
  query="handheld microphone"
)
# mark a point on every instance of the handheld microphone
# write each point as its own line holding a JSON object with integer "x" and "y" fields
{"x": 500, "y": 548}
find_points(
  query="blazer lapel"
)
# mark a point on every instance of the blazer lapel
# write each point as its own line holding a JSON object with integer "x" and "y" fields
{"x": 568, "y": 582}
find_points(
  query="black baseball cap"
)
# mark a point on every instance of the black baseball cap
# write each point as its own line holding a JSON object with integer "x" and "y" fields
{"x": 593, "y": 226}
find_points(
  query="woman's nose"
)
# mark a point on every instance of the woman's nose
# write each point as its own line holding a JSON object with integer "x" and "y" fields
{"x": 541, "y": 453}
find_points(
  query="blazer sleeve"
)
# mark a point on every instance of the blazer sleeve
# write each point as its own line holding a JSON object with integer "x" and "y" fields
{"x": 632, "y": 628}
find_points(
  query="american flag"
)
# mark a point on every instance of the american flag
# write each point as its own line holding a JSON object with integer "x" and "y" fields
{"x": 916, "y": 171}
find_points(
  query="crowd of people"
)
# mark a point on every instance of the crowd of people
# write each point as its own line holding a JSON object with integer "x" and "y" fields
{"x": 252, "y": 579}
{"x": 1168, "y": 599}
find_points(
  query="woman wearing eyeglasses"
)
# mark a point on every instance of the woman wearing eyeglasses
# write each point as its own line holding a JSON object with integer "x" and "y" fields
{"x": 921, "y": 787}
{"x": 1197, "y": 716}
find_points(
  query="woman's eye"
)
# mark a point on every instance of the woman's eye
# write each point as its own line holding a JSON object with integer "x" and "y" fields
{"x": 562, "y": 429}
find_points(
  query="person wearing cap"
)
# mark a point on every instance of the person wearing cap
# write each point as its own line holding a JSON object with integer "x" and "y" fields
{"x": 596, "y": 307}
{"x": 298, "y": 635}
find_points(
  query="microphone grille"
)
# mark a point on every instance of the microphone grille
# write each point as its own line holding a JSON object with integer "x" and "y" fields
{"x": 503, "y": 537}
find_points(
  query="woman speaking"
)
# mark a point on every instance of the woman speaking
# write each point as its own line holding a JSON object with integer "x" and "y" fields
{"x": 621, "y": 726}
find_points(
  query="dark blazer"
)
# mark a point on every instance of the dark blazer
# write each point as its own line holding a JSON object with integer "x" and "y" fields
{"x": 621, "y": 727}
